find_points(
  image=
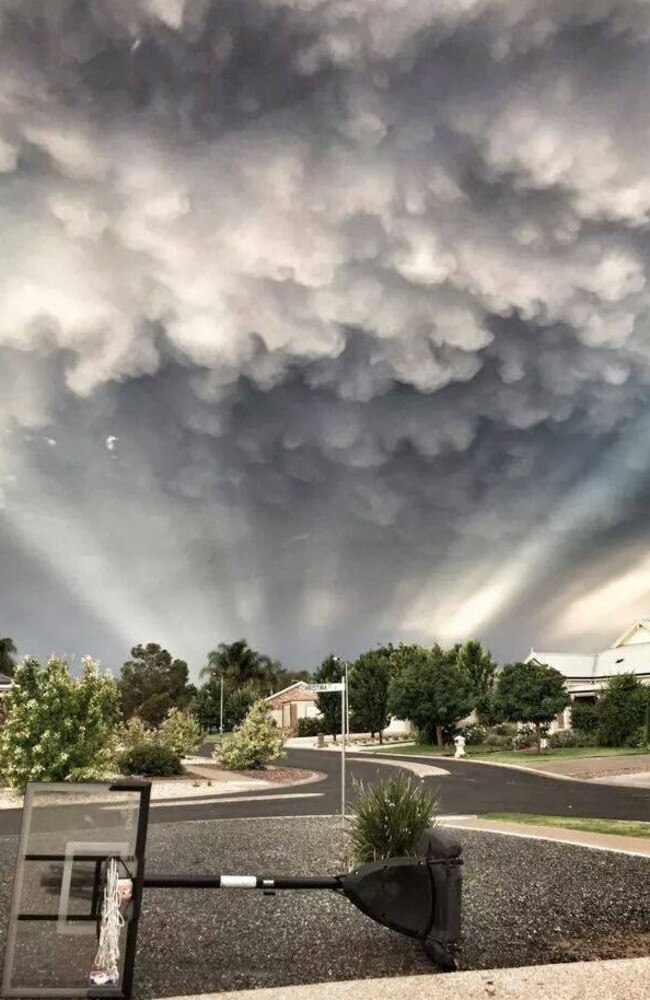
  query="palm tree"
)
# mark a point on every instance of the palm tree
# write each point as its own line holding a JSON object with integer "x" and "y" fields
{"x": 7, "y": 662}
{"x": 241, "y": 665}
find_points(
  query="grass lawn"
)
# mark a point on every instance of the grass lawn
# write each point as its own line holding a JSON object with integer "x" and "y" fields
{"x": 518, "y": 756}
{"x": 214, "y": 737}
{"x": 621, "y": 827}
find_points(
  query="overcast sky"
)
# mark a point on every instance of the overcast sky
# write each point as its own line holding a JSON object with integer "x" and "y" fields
{"x": 323, "y": 323}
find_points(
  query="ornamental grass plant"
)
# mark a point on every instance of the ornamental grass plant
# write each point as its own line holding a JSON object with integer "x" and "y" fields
{"x": 389, "y": 819}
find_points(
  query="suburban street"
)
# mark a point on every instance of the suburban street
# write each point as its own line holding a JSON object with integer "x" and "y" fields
{"x": 468, "y": 788}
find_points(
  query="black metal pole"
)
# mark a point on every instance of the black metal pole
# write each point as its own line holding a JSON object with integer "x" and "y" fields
{"x": 138, "y": 883}
{"x": 241, "y": 882}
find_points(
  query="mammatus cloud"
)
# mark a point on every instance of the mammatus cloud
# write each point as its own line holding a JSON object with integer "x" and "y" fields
{"x": 337, "y": 314}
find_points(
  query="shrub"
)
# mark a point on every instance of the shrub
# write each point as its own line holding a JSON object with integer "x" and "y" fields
{"x": 389, "y": 819}
{"x": 310, "y": 727}
{"x": 524, "y": 738}
{"x": 621, "y": 710}
{"x": 474, "y": 734}
{"x": 507, "y": 729}
{"x": 638, "y": 739}
{"x": 253, "y": 744}
{"x": 58, "y": 727}
{"x": 134, "y": 733}
{"x": 585, "y": 717}
{"x": 151, "y": 760}
{"x": 572, "y": 738}
{"x": 181, "y": 732}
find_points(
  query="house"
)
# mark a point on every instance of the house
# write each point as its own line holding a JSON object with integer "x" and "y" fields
{"x": 587, "y": 673}
{"x": 298, "y": 702}
{"x": 292, "y": 703}
{"x": 5, "y": 683}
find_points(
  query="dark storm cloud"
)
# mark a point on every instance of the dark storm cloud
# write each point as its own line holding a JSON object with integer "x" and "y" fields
{"x": 323, "y": 322}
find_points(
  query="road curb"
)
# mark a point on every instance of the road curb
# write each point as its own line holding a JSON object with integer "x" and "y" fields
{"x": 620, "y": 979}
{"x": 486, "y": 763}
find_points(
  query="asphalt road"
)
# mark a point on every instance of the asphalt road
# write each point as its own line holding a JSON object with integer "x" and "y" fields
{"x": 468, "y": 788}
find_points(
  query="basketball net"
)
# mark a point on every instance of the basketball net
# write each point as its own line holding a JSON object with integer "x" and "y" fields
{"x": 116, "y": 891}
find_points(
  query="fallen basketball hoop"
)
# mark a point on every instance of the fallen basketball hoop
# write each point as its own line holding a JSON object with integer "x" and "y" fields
{"x": 80, "y": 879}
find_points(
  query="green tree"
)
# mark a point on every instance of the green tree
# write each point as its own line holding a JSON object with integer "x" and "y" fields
{"x": 370, "y": 677}
{"x": 532, "y": 693}
{"x": 59, "y": 727}
{"x": 243, "y": 667}
{"x": 481, "y": 670}
{"x": 284, "y": 677}
{"x": 253, "y": 744}
{"x": 330, "y": 671}
{"x": 153, "y": 683}
{"x": 7, "y": 653}
{"x": 207, "y": 706}
{"x": 430, "y": 689}
{"x": 585, "y": 717}
{"x": 621, "y": 710}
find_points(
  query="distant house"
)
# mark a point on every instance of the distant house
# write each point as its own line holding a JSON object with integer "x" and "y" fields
{"x": 291, "y": 704}
{"x": 587, "y": 673}
{"x": 298, "y": 702}
{"x": 5, "y": 683}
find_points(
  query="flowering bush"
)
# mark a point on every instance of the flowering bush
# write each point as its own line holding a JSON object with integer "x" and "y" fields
{"x": 58, "y": 727}
{"x": 475, "y": 734}
{"x": 181, "y": 732}
{"x": 524, "y": 738}
{"x": 135, "y": 733}
{"x": 253, "y": 744}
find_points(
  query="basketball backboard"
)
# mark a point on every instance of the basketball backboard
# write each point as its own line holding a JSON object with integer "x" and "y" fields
{"x": 69, "y": 833}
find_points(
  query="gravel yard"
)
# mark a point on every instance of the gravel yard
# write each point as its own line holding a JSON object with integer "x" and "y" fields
{"x": 524, "y": 902}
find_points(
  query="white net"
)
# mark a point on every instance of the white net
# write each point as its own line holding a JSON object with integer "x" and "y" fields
{"x": 116, "y": 891}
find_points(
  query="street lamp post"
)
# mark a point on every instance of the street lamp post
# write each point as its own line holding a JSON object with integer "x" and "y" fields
{"x": 221, "y": 707}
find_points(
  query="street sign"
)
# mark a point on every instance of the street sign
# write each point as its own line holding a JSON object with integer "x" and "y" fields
{"x": 339, "y": 686}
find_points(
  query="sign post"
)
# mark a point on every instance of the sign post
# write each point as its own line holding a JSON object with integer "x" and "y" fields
{"x": 324, "y": 689}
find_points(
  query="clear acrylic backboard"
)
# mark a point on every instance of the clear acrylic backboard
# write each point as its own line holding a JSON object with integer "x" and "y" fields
{"x": 69, "y": 832}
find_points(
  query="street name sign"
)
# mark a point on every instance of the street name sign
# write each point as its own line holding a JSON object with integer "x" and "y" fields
{"x": 326, "y": 687}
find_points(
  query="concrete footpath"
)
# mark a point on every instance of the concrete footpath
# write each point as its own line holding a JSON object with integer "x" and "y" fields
{"x": 560, "y": 834}
{"x": 626, "y": 979}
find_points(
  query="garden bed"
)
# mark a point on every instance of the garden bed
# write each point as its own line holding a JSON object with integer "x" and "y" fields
{"x": 272, "y": 772}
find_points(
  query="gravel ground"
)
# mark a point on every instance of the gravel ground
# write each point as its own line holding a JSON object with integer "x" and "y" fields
{"x": 525, "y": 902}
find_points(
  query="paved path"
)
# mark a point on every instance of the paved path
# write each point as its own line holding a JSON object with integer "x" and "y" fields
{"x": 560, "y": 834}
{"x": 626, "y": 979}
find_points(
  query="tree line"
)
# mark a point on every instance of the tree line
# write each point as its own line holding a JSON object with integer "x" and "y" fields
{"x": 436, "y": 688}
{"x": 433, "y": 687}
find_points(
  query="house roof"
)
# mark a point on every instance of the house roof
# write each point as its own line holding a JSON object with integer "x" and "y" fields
{"x": 569, "y": 664}
{"x": 640, "y": 625}
{"x": 296, "y": 684}
{"x": 5, "y": 680}
{"x": 620, "y": 658}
